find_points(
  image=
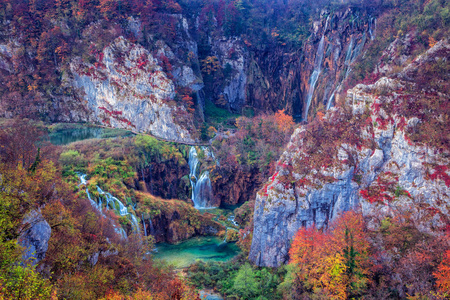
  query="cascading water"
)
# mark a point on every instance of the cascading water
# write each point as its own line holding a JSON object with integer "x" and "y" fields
{"x": 330, "y": 100}
{"x": 152, "y": 229}
{"x": 110, "y": 199}
{"x": 348, "y": 58}
{"x": 372, "y": 27}
{"x": 202, "y": 193}
{"x": 143, "y": 226}
{"x": 316, "y": 72}
{"x": 353, "y": 51}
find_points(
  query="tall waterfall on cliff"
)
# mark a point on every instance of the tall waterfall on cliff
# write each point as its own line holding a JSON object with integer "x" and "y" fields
{"x": 202, "y": 193}
{"x": 143, "y": 225}
{"x": 315, "y": 74}
{"x": 372, "y": 27}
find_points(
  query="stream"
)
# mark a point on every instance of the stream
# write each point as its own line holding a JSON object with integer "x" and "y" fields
{"x": 181, "y": 255}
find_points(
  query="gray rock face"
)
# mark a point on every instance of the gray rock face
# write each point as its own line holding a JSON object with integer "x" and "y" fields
{"x": 35, "y": 238}
{"x": 232, "y": 56}
{"x": 127, "y": 88}
{"x": 280, "y": 209}
{"x": 278, "y": 218}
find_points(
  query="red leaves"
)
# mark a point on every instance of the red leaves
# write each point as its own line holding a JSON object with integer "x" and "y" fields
{"x": 382, "y": 190}
{"x": 376, "y": 107}
{"x": 115, "y": 114}
{"x": 440, "y": 172}
{"x": 402, "y": 123}
{"x": 142, "y": 62}
{"x": 336, "y": 261}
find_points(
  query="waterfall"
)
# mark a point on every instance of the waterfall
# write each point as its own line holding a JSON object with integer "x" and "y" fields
{"x": 110, "y": 199}
{"x": 316, "y": 72}
{"x": 82, "y": 179}
{"x": 372, "y": 31}
{"x": 121, "y": 232}
{"x": 201, "y": 188}
{"x": 203, "y": 191}
{"x": 348, "y": 58}
{"x": 193, "y": 162}
{"x": 134, "y": 223}
{"x": 352, "y": 54}
{"x": 97, "y": 206}
{"x": 143, "y": 225}
{"x": 152, "y": 229}
{"x": 330, "y": 100}
{"x": 123, "y": 211}
{"x": 233, "y": 221}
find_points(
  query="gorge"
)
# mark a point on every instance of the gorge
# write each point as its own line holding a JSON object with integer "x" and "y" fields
{"x": 264, "y": 149}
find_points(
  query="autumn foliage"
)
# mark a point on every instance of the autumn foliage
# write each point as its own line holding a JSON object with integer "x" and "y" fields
{"x": 389, "y": 259}
{"x": 85, "y": 259}
{"x": 442, "y": 274}
{"x": 335, "y": 262}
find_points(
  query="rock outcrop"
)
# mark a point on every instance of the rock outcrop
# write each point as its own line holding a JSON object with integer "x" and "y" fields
{"x": 127, "y": 88}
{"x": 35, "y": 238}
{"x": 180, "y": 223}
{"x": 372, "y": 153}
{"x": 275, "y": 76}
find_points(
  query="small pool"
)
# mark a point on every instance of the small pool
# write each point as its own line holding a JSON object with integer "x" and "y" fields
{"x": 199, "y": 248}
{"x": 65, "y": 134}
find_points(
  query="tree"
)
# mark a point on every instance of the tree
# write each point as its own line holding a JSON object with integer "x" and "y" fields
{"x": 245, "y": 283}
{"x": 284, "y": 122}
{"x": 442, "y": 274}
{"x": 336, "y": 262}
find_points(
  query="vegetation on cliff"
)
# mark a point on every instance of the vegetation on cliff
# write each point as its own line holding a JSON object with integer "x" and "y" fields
{"x": 86, "y": 258}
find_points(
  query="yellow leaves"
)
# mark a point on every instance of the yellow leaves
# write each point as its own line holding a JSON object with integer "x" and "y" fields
{"x": 32, "y": 87}
{"x": 211, "y": 131}
{"x": 210, "y": 64}
{"x": 431, "y": 41}
{"x": 335, "y": 262}
{"x": 334, "y": 278}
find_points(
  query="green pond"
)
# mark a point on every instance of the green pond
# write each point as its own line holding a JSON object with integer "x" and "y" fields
{"x": 198, "y": 248}
{"x": 63, "y": 134}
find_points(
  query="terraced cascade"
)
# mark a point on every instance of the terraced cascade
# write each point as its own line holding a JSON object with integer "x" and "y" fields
{"x": 111, "y": 202}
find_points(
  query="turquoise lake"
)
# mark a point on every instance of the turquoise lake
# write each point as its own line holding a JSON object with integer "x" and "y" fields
{"x": 198, "y": 248}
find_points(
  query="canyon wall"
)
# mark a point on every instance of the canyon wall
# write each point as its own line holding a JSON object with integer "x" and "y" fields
{"x": 372, "y": 154}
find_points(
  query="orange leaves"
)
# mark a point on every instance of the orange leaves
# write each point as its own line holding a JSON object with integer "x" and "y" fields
{"x": 306, "y": 246}
{"x": 284, "y": 122}
{"x": 335, "y": 261}
{"x": 442, "y": 274}
{"x": 319, "y": 265}
{"x": 185, "y": 95}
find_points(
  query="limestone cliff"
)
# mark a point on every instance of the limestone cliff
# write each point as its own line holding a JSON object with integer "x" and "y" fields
{"x": 385, "y": 149}
{"x": 127, "y": 88}
{"x": 270, "y": 77}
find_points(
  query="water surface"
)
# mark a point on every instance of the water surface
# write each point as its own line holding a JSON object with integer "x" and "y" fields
{"x": 198, "y": 248}
{"x": 69, "y": 133}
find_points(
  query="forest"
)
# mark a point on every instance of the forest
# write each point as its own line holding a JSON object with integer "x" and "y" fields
{"x": 131, "y": 126}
